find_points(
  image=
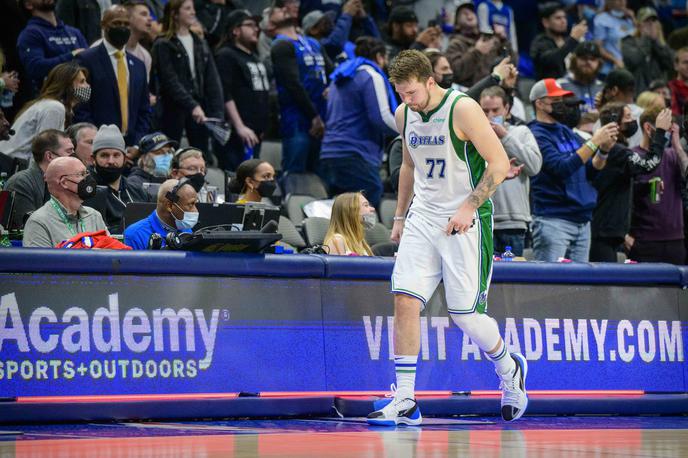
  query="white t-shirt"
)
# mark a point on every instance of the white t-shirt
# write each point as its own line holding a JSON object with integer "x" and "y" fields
{"x": 187, "y": 42}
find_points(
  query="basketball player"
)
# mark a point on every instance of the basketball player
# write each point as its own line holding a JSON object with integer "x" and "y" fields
{"x": 452, "y": 164}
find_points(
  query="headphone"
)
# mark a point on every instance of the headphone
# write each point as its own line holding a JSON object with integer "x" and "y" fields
{"x": 172, "y": 195}
{"x": 177, "y": 154}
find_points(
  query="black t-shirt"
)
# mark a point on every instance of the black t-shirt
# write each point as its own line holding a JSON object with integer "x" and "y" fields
{"x": 245, "y": 80}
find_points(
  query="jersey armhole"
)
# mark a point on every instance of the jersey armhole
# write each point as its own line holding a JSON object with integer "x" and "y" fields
{"x": 403, "y": 132}
{"x": 456, "y": 141}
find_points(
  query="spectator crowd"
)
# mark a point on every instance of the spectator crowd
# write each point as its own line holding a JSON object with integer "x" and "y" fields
{"x": 107, "y": 103}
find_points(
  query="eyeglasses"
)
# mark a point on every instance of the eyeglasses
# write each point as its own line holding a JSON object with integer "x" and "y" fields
{"x": 253, "y": 25}
{"x": 193, "y": 170}
{"x": 83, "y": 174}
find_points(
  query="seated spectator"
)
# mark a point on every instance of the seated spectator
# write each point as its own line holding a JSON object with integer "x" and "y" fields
{"x": 119, "y": 81}
{"x": 46, "y": 42}
{"x": 442, "y": 72}
{"x": 586, "y": 124}
{"x": 360, "y": 115}
{"x": 29, "y": 185}
{"x": 255, "y": 181}
{"x": 563, "y": 198}
{"x": 649, "y": 99}
{"x": 582, "y": 79}
{"x": 63, "y": 216}
{"x": 351, "y": 215}
{"x": 645, "y": 54}
{"x": 611, "y": 218}
{"x": 108, "y": 159}
{"x": 550, "y": 48}
{"x": 656, "y": 233}
{"x": 511, "y": 200}
{"x": 189, "y": 163}
{"x": 470, "y": 52}
{"x": 661, "y": 87}
{"x": 494, "y": 14}
{"x": 612, "y": 25}
{"x": 62, "y": 90}
{"x": 82, "y": 135}
{"x": 155, "y": 160}
{"x": 620, "y": 87}
{"x": 4, "y": 127}
{"x": 175, "y": 212}
{"x": 679, "y": 85}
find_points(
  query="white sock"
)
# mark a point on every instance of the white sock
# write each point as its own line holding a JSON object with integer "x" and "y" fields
{"x": 504, "y": 363}
{"x": 405, "y": 368}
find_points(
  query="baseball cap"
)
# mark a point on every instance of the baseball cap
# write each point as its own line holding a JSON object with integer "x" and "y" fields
{"x": 621, "y": 78}
{"x": 236, "y": 17}
{"x": 402, "y": 14}
{"x": 547, "y": 88}
{"x": 587, "y": 48}
{"x": 154, "y": 141}
{"x": 311, "y": 19}
{"x": 458, "y": 4}
{"x": 646, "y": 13}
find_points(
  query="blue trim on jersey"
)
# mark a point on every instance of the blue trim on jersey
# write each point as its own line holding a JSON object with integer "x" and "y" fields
{"x": 407, "y": 293}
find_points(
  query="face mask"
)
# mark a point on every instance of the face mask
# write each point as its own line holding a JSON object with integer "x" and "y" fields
{"x": 267, "y": 188}
{"x": 107, "y": 175}
{"x": 617, "y": 13}
{"x": 567, "y": 114}
{"x": 162, "y": 164}
{"x": 446, "y": 81}
{"x": 118, "y": 36}
{"x": 498, "y": 120}
{"x": 369, "y": 220}
{"x": 189, "y": 221}
{"x": 85, "y": 188}
{"x": 82, "y": 93}
{"x": 197, "y": 181}
{"x": 628, "y": 129}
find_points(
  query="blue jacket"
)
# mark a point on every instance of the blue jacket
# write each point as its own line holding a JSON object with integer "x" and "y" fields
{"x": 42, "y": 46}
{"x": 137, "y": 235}
{"x": 360, "y": 112}
{"x": 103, "y": 108}
{"x": 335, "y": 43}
{"x": 561, "y": 189}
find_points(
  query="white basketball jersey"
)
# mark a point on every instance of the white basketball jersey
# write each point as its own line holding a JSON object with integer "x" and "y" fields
{"x": 446, "y": 168}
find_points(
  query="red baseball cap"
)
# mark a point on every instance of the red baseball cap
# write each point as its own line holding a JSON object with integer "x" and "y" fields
{"x": 548, "y": 88}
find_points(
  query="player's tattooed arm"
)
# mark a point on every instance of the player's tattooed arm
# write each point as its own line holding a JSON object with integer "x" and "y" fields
{"x": 486, "y": 187}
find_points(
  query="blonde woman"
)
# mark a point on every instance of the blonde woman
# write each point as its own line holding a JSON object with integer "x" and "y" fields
{"x": 648, "y": 99}
{"x": 351, "y": 214}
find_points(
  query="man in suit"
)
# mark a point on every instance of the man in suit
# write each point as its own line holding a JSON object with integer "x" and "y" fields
{"x": 118, "y": 81}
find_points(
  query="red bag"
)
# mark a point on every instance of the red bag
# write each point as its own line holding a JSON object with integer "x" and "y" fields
{"x": 90, "y": 240}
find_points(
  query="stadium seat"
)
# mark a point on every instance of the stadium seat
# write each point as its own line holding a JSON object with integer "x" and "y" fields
{"x": 378, "y": 234}
{"x": 216, "y": 177}
{"x": 294, "y": 205}
{"x": 315, "y": 230}
{"x": 272, "y": 153}
{"x": 290, "y": 234}
{"x": 305, "y": 184}
{"x": 387, "y": 209}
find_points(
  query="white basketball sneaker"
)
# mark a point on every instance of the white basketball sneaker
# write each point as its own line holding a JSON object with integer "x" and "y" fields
{"x": 514, "y": 396}
{"x": 392, "y": 412}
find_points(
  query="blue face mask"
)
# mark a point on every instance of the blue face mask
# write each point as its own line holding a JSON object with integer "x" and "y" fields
{"x": 190, "y": 219}
{"x": 162, "y": 164}
{"x": 618, "y": 13}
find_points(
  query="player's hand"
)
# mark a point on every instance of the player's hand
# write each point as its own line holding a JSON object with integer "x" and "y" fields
{"x": 397, "y": 231}
{"x": 462, "y": 220}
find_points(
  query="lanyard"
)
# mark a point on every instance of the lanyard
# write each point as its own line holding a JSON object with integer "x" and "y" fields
{"x": 65, "y": 218}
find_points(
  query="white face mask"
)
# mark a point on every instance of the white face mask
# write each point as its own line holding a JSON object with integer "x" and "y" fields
{"x": 189, "y": 221}
{"x": 369, "y": 220}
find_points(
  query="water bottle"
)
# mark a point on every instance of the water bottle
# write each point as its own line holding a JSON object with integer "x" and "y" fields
{"x": 3, "y": 180}
{"x": 248, "y": 152}
{"x": 508, "y": 255}
{"x": 6, "y": 99}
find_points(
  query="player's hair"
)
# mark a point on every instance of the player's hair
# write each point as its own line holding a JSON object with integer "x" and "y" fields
{"x": 410, "y": 65}
{"x": 346, "y": 221}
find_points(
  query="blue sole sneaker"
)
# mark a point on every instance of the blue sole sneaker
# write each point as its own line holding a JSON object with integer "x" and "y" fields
{"x": 396, "y": 412}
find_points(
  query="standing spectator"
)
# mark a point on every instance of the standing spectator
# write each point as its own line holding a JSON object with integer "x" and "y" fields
{"x": 550, "y": 48}
{"x": 511, "y": 200}
{"x": 442, "y": 72}
{"x": 46, "y": 42}
{"x": 402, "y": 30}
{"x": 212, "y": 15}
{"x": 246, "y": 88}
{"x": 495, "y": 15}
{"x": 175, "y": 212}
{"x": 656, "y": 233}
{"x": 82, "y": 135}
{"x": 118, "y": 81}
{"x": 301, "y": 72}
{"x": 612, "y": 25}
{"x": 351, "y": 215}
{"x": 661, "y": 87}
{"x": 141, "y": 26}
{"x": 679, "y": 85}
{"x": 360, "y": 115}
{"x": 470, "y": 53}
{"x": 189, "y": 85}
{"x": 29, "y": 187}
{"x": 620, "y": 87}
{"x": 12, "y": 21}
{"x": 611, "y": 218}
{"x": 62, "y": 90}
{"x": 108, "y": 158}
{"x": 84, "y": 15}
{"x": 63, "y": 216}
{"x": 645, "y": 54}
{"x": 583, "y": 71}
{"x": 563, "y": 198}
{"x": 154, "y": 164}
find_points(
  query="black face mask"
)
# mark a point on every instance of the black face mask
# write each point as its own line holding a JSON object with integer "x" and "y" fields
{"x": 86, "y": 188}
{"x": 107, "y": 175}
{"x": 446, "y": 81}
{"x": 565, "y": 113}
{"x": 267, "y": 188}
{"x": 118, "y": 36}
{"x": 197, "y": 181}
{"x": 628, "y": 129}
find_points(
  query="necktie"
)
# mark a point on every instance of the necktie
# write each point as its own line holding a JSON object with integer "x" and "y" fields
{"x": 122, "y": 89}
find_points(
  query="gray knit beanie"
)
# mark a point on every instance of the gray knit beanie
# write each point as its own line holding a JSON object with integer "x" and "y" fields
{"x": 108, "y": 137}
